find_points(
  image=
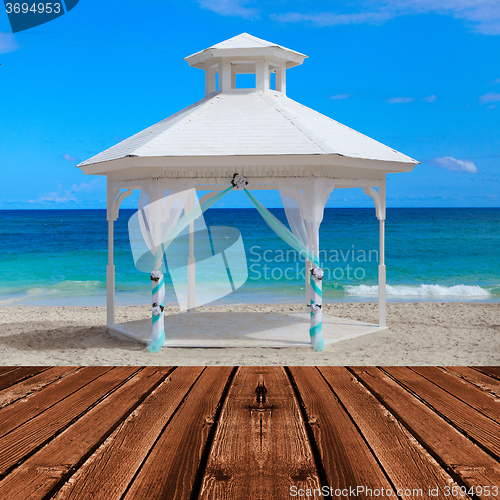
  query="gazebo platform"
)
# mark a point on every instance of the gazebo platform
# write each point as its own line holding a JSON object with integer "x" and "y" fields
{"x": 243, "y": 329}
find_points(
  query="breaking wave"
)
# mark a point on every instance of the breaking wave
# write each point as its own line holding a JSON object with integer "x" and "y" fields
{"x": 407, "y": 291}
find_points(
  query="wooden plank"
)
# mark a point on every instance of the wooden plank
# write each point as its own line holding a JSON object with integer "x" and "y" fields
{"x": 487, "y": 384}
{"x": 466, "y": 392}
{"x": 261, "y": 448}
{"x": 10, "y": 378}
{"x": 20, "y": 412}
{"x": 491, "y": 371}
{"x": 108, "y": 472}
{"x": 33, "y": 384}
{"x": 473, "y": 423}
{"x": 462, "y": 459}
{"x": 7, "y": 369}
{"x": 40, "y": 474}
{"x": 26, "y": 438}
{"x": 338, "y": 441}
{"x": 172, "y": 466}
{"x": 412, "y": 471}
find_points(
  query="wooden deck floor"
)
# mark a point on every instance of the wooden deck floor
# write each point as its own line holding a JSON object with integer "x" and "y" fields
{"x": 249, "y": 433}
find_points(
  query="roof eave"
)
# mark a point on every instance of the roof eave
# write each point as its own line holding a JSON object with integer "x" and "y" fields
{"x": 213, "y": 161}
{"x": 290, "y": 57}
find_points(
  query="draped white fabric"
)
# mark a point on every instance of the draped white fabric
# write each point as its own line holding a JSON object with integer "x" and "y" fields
{"x": 304, "y": 202}
{"x": 159, "y": 212}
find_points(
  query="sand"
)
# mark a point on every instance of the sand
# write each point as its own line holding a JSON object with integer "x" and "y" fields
{"x": 419, "y": 334}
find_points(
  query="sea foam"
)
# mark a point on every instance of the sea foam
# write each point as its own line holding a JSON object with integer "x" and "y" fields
{"x": 421, "y": 291}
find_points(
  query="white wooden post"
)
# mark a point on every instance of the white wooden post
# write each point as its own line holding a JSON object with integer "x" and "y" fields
{"x": 110, "y": 270}
{"x": 210, "y": 80}
{"x": 281, "y": 79}
{"x": 233, "y": 77}
{"x": 308, "y": 267}
{"x": 382, "y": 299}
{"x": 191, "y": 295}
{"x": 225, "y": 79}
{"x": 262, "y": 75}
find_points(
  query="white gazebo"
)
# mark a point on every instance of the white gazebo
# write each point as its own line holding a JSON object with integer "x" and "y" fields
{"x": 273, "y": 141}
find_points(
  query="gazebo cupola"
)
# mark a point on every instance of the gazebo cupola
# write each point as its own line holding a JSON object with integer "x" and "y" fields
{"x": 245, "y": 54}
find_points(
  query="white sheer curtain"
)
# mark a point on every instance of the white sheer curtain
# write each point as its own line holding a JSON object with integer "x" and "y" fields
{"x": 161, "y": 205}
{"x": 304, "y": 202}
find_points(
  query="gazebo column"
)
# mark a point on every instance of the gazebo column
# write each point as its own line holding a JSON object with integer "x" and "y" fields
{"x": 380, "y": 202}
{"x": 382, "y": 291}
{"x": 382, "y": 300}
{"x": 281, "y": 79}
{"x": 308, "y": 266}
{"x": 110, "y": 269}
{"x": 191, "y": 285}
{"x": 210, "y": 79}
{"x": 114, "y": 199}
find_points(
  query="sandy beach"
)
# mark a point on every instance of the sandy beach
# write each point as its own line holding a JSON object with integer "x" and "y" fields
{"x": 418, "y": 334}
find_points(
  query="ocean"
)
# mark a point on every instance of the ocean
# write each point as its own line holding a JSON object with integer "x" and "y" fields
{"x": 59, "y": 257}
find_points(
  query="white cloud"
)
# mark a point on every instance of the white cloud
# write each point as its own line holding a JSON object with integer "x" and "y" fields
{"x": 62, "y": 195}
{"x": 429, "y": 98}
{"x": 482, "y": 15}
{"x": 490, "y": 97}
{"x": 333, "y": 19}
{"x": 68, "y": 157}
{"x": 92, "y": 185}
{"x": 7, "y": 43}
{"x": 235, "y": 8}
{"x": 338, "y": 97}
{"x": 450, "y": 163}
{"x": 400, "y": 100}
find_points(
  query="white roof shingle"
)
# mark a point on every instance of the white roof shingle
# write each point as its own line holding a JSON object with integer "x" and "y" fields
{"x": 249, "y": 123}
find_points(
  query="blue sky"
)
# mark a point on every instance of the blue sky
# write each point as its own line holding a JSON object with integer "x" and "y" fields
{"x": 422, "y": 76}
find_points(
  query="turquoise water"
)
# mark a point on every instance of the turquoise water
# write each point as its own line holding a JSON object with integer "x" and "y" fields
{"x": 50, "y": 257}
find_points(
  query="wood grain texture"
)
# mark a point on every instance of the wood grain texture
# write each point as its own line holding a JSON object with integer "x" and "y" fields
{"x": 7, "y": 369}
{"x": 109, "y": 471}
{"x": 463, "y": 390}
{"x": 482, "y": 381}
{"x": 463, "y": 459}
{"x": 409, "y": 467}
{"x": 261, "y": 448}
{"x": 14, "y": 376}
{"x": 171, "y": 468}
{"x": 492, "y": 371}
{"x": 470, "y": 421}
{"x": 346, "y": 458}
{"x": 40, "y": 473}
{"x": 26, "y": 438}
{"x": 108, "y": 433}
{"x": 34, "y": 384}
{"x": 22, "y": 411}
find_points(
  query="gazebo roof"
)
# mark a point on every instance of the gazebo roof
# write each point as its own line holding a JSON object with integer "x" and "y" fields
{"x": 251, "y": 123}
{"x": 259, "y": 132}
